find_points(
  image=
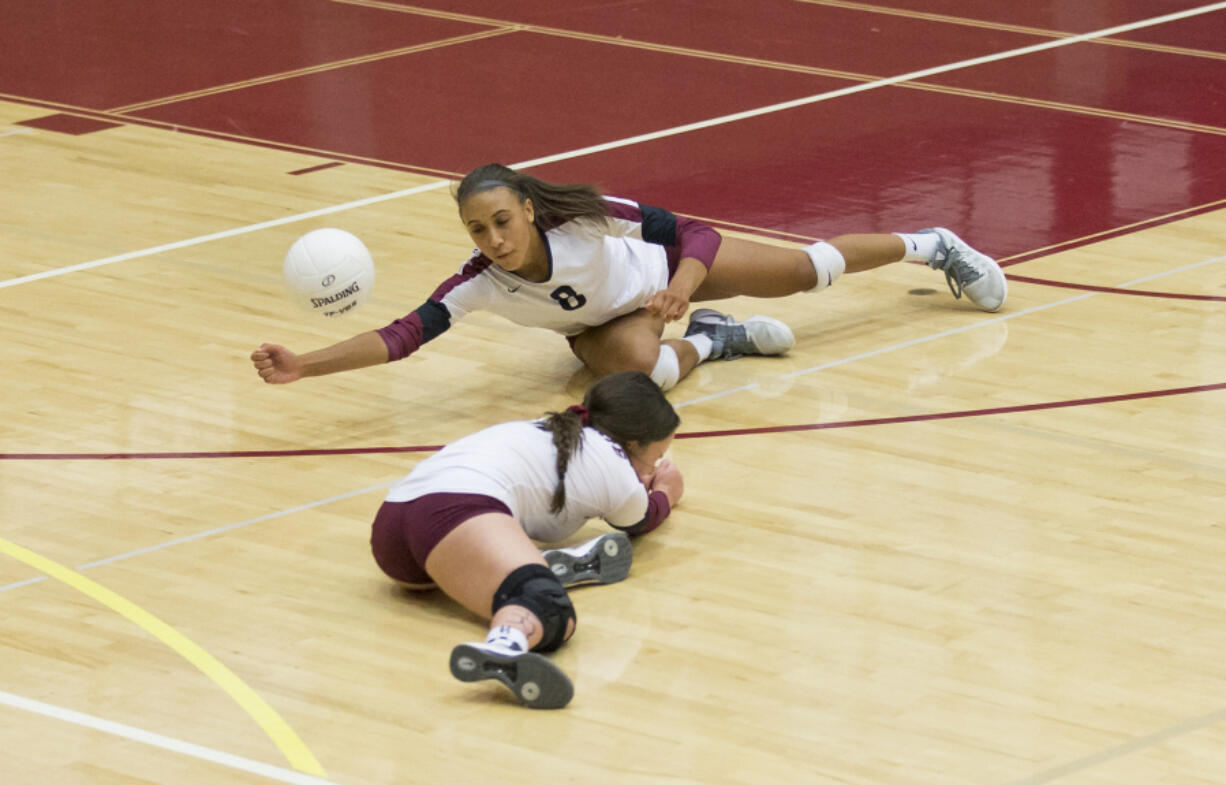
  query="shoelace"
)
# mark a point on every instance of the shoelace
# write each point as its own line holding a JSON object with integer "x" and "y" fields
{"x": 960, "y": 272}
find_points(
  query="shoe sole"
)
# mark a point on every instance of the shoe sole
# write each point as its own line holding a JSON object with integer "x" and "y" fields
{"x": 533, "y": 678}
{"x": 606, "y": 560}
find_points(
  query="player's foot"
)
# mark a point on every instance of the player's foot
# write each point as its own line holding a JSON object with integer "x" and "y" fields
{"x": 533, "y": 678}
{"x": 968, "y": 271}
{"x": 731, "y": 339}
{"x": 605, "y": 559}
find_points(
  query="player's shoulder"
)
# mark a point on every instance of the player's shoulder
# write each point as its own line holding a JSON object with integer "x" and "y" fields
{"x": 604, "y": 444}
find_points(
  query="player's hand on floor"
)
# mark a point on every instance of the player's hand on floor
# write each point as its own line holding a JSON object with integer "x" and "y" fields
{"x": 667, "y": 478}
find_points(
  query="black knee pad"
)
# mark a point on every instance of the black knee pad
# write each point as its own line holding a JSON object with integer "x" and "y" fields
{"x": 535, "y": 587}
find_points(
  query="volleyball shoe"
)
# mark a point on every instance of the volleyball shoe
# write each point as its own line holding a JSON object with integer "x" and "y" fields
{"x": 731, "y": 339}
{"x": 967, "y": 271}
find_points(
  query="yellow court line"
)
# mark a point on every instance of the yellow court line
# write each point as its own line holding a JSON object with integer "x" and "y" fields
{"x": 267, "y": 718}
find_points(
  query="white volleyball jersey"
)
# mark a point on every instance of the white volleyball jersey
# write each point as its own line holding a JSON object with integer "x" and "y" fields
{"x": 515, "y": 462}
{"x": 595, "y": 274}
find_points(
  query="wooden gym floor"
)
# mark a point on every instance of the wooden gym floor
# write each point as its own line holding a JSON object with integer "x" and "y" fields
{"x": 929, "y": 545}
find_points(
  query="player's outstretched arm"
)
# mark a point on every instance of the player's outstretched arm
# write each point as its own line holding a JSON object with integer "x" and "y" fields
{"x": 278, "y": 365}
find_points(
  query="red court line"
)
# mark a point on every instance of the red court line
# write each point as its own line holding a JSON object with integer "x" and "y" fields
{"x": 1029, "y": 407}
{"x": 1114, "y": 290}
{"x": 1132, "y": 228}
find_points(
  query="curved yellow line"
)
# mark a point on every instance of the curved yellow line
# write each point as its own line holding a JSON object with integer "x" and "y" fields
{"x": 276, "y": 728}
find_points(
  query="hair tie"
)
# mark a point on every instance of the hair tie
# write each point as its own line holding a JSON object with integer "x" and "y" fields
{"x": 585, "y": 416}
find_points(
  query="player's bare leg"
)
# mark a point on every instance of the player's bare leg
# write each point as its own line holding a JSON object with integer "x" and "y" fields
{"x": 633, "y": 343}
{"x": 756, "y": 269}
{"x": 473, "y": 564}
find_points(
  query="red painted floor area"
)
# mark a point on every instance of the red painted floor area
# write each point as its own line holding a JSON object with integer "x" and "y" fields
{"x": 1010, "y": 177}
{"x": 1206, "y": 33}
{"x": 1155, "y": 84}
{"x": 1078, "y": 16}
{"x": 104, "y": 54}
{"x": 777, "y": 30}
{"x": 502, "y": 99}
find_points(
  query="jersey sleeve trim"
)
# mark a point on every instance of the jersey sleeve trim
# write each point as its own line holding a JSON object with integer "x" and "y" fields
{"x": 685, "y": 238}
{"x": 471, "y": 269}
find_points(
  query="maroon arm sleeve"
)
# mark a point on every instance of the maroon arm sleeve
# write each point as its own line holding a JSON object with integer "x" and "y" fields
{"x": 658, "y": 509}
{"x": 406, "y": 335}
{"x": 697, "y": 241}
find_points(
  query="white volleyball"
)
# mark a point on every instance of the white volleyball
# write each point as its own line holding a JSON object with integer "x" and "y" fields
{"x": 329, "y": 272}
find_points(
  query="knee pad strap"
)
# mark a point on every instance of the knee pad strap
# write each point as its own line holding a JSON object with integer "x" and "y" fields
{"x": 535, "y": 587}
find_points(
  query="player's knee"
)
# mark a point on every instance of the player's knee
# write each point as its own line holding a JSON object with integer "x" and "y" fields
{"x": 667, "y": 369}
{"x": 535, "y": 587}
{"x": 828, "y": 264}
{"x": 639, "y": 356}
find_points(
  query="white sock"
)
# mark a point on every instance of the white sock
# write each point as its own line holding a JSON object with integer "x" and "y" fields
{"x": 920, "y": 247}
{"x": 702, "y": 345}
{"x": 510, "y": 638}
{"x": 828, "y": 263}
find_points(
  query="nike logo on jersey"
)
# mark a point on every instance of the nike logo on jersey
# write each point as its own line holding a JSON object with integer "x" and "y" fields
{"x": 513, "y": 289}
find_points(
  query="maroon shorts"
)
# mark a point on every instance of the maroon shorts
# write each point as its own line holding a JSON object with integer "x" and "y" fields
{"x": 404, "y": 533}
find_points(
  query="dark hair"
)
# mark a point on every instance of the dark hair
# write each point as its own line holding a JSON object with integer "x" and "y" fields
{"x": 626, "y": 407}
{"x": 553, "y": 204}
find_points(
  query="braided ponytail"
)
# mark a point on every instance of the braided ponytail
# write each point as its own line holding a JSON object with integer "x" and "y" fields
{"x": 567, "y": 431}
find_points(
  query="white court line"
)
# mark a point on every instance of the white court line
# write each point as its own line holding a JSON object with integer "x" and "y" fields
{"x": 1128, "y": 747}
{"x": 209, "y": 533}
{"x": 16, "y": 131}
{"x": 164, "y": 742}
{"x": 935, "y": 336}
{"x": 681, "y": 129}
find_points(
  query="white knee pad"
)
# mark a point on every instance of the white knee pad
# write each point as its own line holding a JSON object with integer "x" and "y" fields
{"x": 828, "y": 263}
{"x": 667, "y": 372}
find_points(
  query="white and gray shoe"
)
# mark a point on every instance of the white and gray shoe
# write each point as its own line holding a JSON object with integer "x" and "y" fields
{"x": 533, "y": 677}
{"x": 731, "y": 339}
{"x": 968, "y": 271}
{"x": 605, "y": 559}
